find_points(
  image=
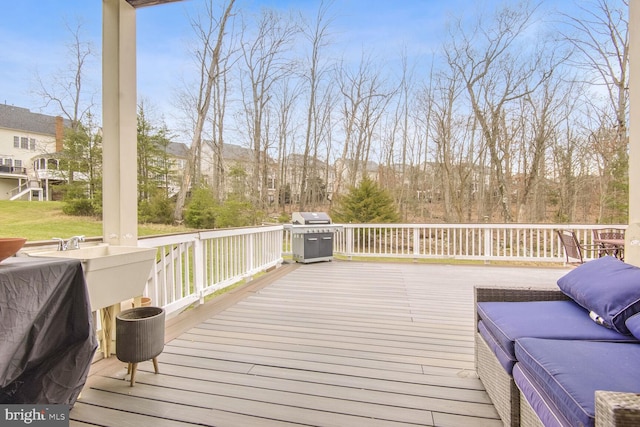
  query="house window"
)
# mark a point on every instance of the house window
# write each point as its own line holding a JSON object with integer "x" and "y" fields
{"x": 7, "y": 162}
{"x": 32, "y": 144}
{"x": 17, "y": 163}
{"x": 24, "y": 142}
{"x": 16, "y": 142}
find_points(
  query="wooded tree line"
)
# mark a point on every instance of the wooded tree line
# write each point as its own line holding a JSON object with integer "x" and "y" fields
{"x": 511, "y": 121}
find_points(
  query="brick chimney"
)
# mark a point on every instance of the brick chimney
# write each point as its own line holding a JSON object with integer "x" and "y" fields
{"x": 59, "y": 133}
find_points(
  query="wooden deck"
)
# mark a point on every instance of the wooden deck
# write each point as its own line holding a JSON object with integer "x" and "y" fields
{"x": 326, "y": 344}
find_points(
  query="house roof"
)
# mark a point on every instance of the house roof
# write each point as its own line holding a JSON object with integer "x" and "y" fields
{"x": 229, "y": 151}
{"x": 21, "y": 119}
{"x": 236, "y": 152}
{"x": 297, "y": 159}
{"x": 371, "y": 166}
{"x": 178, "y": 149}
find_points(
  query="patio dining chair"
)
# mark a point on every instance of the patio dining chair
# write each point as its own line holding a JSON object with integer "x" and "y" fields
{"x": 609, "y": 234}
{"x": 574, "y": 251}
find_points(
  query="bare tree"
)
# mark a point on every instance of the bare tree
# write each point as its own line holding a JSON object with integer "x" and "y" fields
{"x": 600, "y": 40}
{"x": 495, "y": 71}
{"x": 443, "y": 109}
{"x": 265, "y": 63}
{"x": 317, "y": 33}
{"x": 425, "y": 178}
{"x": 543, "y": 113}
{"x": 67, "y": 91}
{"x": 455, "y": 152}
{"x": 286, "y": 98}
{"x": 399, "y": 135}
{"x": 82, "y": 149}
{"x": 211, "y": 32}
{"x": 364, "y": 99}
{"x": 216, "y": 145}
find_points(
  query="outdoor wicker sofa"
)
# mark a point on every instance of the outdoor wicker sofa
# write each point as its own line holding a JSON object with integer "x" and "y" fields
{"x": 496, "y": 367}
{"x": 499, "y": 384}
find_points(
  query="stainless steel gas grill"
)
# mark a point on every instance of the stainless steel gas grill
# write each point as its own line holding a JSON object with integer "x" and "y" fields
{"x": 312, "y": 235}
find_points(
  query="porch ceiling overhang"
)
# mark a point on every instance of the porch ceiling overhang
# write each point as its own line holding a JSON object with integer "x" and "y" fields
{"x": 143, "y": 3}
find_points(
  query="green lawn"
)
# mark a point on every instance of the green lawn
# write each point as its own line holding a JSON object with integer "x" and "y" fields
{"x": 44, "y": 220}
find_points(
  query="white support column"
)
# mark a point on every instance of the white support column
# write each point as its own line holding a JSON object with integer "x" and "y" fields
{"x": 632, "y": 244}
{"x": 119, "y": 161}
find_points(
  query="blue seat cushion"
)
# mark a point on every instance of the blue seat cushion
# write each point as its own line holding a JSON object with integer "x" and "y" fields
{"x": 607, "y": 287}
{"x": 538, "y": 399}
{"x": 508, "y": 321}
{"x": 569, "y": 372}
{"x": 633, "y": 324}
{"x": 504, "y": 359}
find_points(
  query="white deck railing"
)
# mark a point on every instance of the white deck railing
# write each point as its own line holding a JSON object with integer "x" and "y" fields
{"x": 193, "y": 265}
{"x": 485, "y": 242}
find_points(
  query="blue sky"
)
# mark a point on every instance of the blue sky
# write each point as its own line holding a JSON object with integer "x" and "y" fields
{"x": 33, "y": 38}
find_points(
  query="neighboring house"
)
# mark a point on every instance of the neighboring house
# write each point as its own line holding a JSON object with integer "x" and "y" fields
{"x": 320, "y": 178}
{"x": 177, "y": 155}
{"x": 237, "y": 163}
{"x": 28, "y": 142}
{"x": 31, "y": 145}
{"x": 350, "y": 172}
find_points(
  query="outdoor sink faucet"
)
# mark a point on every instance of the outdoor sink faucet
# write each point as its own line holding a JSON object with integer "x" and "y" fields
{"x": 72, "y": 243}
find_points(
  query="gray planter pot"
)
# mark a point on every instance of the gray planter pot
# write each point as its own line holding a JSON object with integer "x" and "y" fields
{"x": 140, "y": 336}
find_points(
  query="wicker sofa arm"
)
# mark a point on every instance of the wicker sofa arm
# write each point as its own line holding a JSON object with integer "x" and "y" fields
{"x": 615, "y": 409}
{"x": 501, "y": 293}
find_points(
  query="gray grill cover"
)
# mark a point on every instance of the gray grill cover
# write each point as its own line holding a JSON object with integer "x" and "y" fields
{"x": 310, "y": 218}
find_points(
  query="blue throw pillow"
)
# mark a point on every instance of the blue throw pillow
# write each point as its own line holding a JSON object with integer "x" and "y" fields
{"x": 607, "y": 287}
{"x": 633, "y": 324}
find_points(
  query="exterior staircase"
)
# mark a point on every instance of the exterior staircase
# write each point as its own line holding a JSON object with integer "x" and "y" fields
{"x": 31, "y": 188}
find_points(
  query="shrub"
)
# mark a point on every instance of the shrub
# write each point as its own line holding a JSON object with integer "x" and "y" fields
{"x": 284, "y": 218}
{"x": 236, "y": 213}
{"x": 366, "y": 204}
{"x": 79, "y": 207}
{"x": 76, "y": 200}
{"x": 158, "y": 210}
{"x": 200, "y": 211}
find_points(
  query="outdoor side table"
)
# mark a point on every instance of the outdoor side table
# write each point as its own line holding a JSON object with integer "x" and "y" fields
{"x": 140, "y": 336}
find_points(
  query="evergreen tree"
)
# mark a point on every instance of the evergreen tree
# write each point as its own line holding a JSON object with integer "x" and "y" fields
{"x": 200, "y": 212}
{"x": 366, "y": 204}
{"x": 148, "y": 154}
{"x": 237, "y": 213}
{"x": 154, "y": 171}
{"x": 165, "y": 163}
{"x": 617, "y": 201}
{"x": 81, "y": 161}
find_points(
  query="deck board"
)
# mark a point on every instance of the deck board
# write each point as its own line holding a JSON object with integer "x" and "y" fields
{"x": 262, "y": 385}
{"x": 375, "y": 343}
{"x": 326, "y": 344}
{"x": 311, "y": 345}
